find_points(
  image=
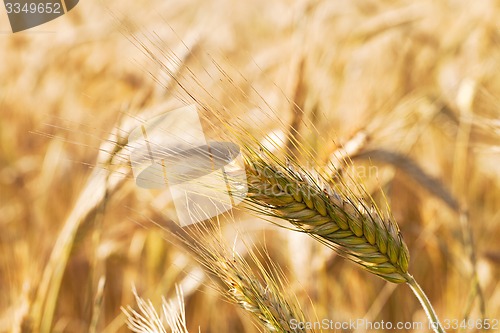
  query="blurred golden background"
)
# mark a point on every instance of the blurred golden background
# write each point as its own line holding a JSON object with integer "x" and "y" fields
{"x": 416, "y": 81}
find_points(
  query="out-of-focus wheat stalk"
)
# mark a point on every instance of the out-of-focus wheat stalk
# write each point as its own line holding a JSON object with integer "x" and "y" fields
{"x": 110, "y": 174}
{"x": 99, "y": 186}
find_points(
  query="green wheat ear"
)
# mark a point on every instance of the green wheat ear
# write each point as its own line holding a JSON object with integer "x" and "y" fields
{"x": 336, "y": 217}
{"x": 344, "y": 223}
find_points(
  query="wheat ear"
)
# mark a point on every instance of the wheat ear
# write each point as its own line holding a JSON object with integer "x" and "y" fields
{"x": 262, "y": 297}
{"x": 346, "y": 224}
{"x": 336, "y": 217}
{"x": 261, "y": 294}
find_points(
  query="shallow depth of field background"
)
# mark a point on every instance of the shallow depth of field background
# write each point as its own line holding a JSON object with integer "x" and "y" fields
{"x": 419, "y": 78}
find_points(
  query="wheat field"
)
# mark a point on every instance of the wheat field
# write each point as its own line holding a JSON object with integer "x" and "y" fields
{"x": 401, "y": 96}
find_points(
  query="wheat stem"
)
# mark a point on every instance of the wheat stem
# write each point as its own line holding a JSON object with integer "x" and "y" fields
{"x": 426, "y": 304}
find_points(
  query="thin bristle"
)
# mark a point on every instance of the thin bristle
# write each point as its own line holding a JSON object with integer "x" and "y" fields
{"x": 147, "y": 319}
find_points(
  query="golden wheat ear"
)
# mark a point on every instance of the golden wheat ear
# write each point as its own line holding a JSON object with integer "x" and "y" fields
{"x": 257, "y": 288}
